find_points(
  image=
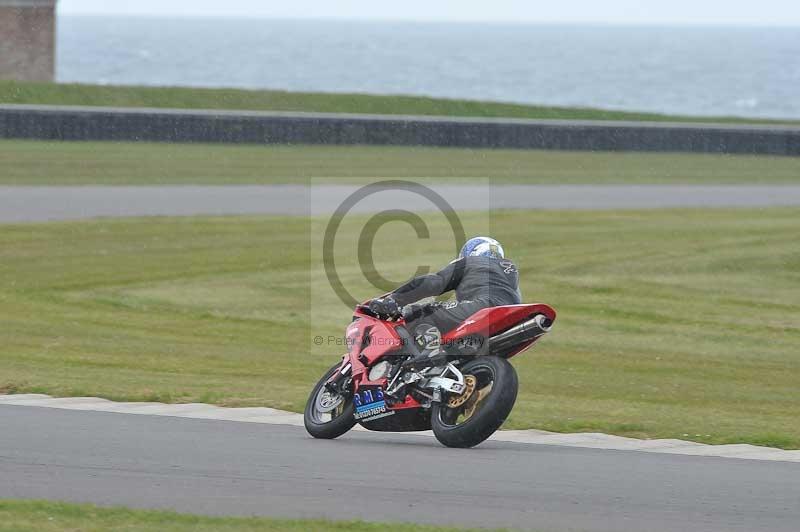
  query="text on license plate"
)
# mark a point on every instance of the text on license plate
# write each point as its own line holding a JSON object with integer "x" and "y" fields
{"x": 370, "y": 404}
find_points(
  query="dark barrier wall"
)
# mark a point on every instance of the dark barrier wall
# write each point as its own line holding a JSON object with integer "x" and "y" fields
{"x": 88, "y": 123}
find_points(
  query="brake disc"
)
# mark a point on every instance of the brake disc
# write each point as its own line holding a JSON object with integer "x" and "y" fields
{"x": 469, "y": 388}
{"x": 476, "y": 399}
{"x": 327, "y": 401}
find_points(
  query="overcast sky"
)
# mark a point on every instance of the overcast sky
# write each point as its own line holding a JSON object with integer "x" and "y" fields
{"x": 734, "y": 12}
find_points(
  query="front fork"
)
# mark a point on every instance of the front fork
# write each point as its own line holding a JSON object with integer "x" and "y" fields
{"x": 340, "y": 378}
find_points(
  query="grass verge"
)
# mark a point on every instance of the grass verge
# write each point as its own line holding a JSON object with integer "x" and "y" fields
{"x": 41, "y": 516}
{"x": 67, "y": 163}
{"x": 271, "y": 100}
{"x": 680, "y": 323}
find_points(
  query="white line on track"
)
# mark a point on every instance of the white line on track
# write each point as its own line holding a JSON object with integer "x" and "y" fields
{"x": 278, "y": 417}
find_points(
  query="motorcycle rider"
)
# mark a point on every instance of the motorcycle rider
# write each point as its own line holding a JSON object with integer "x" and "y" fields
{"x": 481, "y": 276}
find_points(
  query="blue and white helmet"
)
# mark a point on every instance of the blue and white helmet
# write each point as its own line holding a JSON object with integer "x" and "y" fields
{"x": 482, "y": 246}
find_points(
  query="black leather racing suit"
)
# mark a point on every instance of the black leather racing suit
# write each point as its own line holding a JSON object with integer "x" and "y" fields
{"x": 479, "y": 282}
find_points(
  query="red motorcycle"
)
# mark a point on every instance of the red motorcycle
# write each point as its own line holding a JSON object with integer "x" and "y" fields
{"x": 465, "y": 397}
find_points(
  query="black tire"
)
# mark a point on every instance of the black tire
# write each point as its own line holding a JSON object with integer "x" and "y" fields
{"x": 491, "y": 412}
{"x": 328, "y": 430}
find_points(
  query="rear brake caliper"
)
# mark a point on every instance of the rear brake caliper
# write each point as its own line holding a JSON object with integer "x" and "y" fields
{"x": 457, "y": 400}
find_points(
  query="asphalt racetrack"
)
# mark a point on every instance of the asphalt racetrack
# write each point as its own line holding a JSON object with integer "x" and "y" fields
{"x": 229, "y": 468}
{"x": 40, "y": 204}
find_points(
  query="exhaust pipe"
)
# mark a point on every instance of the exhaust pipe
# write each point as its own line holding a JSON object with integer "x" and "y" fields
{"x": 523, "y": 332}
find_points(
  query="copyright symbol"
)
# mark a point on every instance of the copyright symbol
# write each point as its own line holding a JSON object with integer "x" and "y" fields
{"x": 366, "y": 238}
{"x": 318, "y": 340}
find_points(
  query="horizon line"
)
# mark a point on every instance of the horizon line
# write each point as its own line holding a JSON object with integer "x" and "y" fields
{"x": 532, "y": 22}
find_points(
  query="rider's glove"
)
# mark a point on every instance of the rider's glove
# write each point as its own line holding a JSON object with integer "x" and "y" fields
{"x": 415, "y": 312}
{"x": 385, "y": 306}
{"x": 412, "y": 312}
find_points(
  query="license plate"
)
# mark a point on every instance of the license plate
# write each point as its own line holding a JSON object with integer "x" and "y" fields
{"x": 370, "y": 404}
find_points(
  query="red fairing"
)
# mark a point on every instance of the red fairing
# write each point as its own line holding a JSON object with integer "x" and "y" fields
{"x": 490, "y": 321}
{"x": 383, "y": 339}
{"x": 409, "y": 402}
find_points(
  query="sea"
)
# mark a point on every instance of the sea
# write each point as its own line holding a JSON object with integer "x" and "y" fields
{"x": 699, "y": 71}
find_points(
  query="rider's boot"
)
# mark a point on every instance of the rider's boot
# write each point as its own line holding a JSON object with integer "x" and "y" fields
{"x": 428, "y": 340}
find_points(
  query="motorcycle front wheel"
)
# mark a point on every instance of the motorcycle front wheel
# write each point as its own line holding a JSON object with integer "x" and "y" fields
{"x": 328, "y": 415}
{"x": 468, "y": 419}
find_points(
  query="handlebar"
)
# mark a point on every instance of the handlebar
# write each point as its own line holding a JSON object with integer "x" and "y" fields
{"x": 364, "y": 309}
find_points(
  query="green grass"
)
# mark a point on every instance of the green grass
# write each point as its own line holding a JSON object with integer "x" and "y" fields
{"x": 41, "y": 516}
{"x": 271, "y": 100}
{"x": 680, "y": 323}
{"x": 66, "y": 163}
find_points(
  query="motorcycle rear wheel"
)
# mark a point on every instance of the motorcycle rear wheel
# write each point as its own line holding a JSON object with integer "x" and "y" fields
{"x": 484, "y": 411}
{"x": 317, "y": 409}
